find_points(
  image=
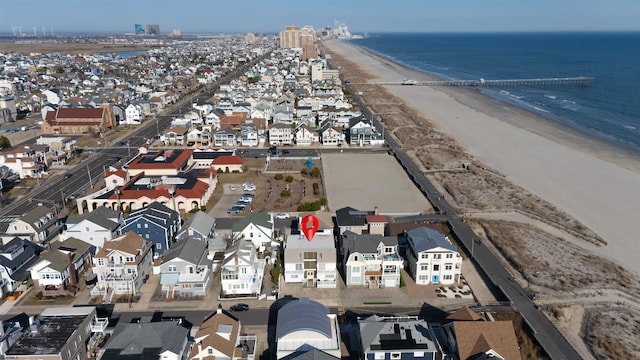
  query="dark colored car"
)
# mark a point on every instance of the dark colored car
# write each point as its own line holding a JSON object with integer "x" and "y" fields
{"x": 239, "y": 307}
{"x": 68, "y": 175}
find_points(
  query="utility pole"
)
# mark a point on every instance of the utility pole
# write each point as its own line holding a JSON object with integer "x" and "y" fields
{"x": 89, "y": 173}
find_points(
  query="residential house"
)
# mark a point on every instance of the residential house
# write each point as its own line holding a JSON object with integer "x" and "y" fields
{"x": 134, "y": 114}
{"x": 226, "y": 138}
{"x": 200, "y": 226}
{"x": 58, "y": 333}
{"x": 16, "y": 256}
{"x": 156, "y": 223}
{"x": 241, "y": 271}
{"x": 166, "y": 340}
{"x": 94, "y": 228}
{"x": 256, "y": 227}
{"x": 123, "y": 263}
{"x": 24, "y": 161}
{"x": 213, "y": 118}
{"x": 481, "y": 340}
{"x": 39, "y": 225}
{"x": 362, "y": 132}
{"x": 303, "y": 325}
{"x": 406, "y": 338}
{"x": 432, "y": 258}
{"x": 280, "y": 134}
{"x": 185, "y": 270}
{"x": 60, "y": 267}
{"x": 199, "y": 137}
{"x": 360, "y": 222}
{"x": 175, "y": 135}
{"x": 329, "y": 136}
{"x": 249, "y": 135}
{"x": 305, "y": 136}
{"x": 312, "y": 263}
{"x": 371, "y": 260}
{"x": 218, "y": 337}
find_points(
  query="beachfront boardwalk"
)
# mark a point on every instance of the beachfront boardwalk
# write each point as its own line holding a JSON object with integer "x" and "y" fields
{"x": 560, "y": 81}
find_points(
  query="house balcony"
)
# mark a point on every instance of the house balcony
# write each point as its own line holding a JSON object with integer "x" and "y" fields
{"x": 199, "y": 276}
{"x": 114, "y": 265}
{"x": 119, "y": 277}
{"x": 99, "y": 324}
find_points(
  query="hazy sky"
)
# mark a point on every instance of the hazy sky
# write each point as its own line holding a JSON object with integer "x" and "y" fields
{"x": 212, "y": 16}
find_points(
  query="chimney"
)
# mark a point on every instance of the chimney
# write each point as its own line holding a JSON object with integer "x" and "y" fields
{"x": 219, "y": 309}
{"x": 73, "y": 273}
{"x": 375, "y": 211}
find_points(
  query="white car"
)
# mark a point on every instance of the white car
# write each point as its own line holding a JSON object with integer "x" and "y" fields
{"x": 232, "y": 188}
{"x": 249, "y": 187}
{"x": 282, "y": 216}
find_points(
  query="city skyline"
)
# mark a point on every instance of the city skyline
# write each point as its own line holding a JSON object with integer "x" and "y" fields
{"x": 192, "y": 16}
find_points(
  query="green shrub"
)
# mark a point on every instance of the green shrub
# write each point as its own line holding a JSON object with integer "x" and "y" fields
{"x": 442, "y": 295}
{"x": 289, "y": 179}
{"x": 315, "y": 172}
{"x": 304, "y": 171}
{"x": 316, "y": 188}
{"x": 285, "y": 193}
{"x": 402, "y": 283}
{"x": 278, "y": 177}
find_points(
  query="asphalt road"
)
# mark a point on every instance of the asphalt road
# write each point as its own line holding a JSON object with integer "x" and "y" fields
{"x": 504, "y": 287}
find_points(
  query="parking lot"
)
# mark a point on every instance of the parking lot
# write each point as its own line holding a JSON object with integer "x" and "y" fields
{"x": 229, "y": 197}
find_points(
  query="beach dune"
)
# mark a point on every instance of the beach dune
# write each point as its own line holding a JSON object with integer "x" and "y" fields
{"x": 595, "y": 182}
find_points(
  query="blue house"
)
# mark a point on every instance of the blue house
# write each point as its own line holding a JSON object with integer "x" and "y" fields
{"x": 156, "y": 223}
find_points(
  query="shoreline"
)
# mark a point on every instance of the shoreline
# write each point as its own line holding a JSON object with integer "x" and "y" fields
{"x": 623, "y": 155}
{"x": 594, "y": 181}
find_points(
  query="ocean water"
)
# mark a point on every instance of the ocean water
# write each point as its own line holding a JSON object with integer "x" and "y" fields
{"x": 609, "y": 108}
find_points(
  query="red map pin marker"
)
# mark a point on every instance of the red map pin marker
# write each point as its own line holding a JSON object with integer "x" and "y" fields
{"x": 309, "y": 232}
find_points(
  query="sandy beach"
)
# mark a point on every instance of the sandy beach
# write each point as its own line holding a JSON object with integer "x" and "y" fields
{"x": 594, "y": 181}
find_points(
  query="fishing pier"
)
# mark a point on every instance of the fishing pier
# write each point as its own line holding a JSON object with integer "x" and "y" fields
{"x": 559, "y": 81}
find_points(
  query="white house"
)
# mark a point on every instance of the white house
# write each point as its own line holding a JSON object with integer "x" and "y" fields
{"x": 249, "y": 135}
{"x": 432, "y": 258}
{"x": 280, "y": 134}
{"x": 371, "y": 260}
{"x": 256, "y": 227}
{"x": 218, "y": 337}
{"x": 134, "y": 114}
{"x": 329, "y": 136}
{"x": 241, "y": 270}
{"x": 305, "y": 136}
{"x": 59, "y": 268}
{"x": 94, "y": 228}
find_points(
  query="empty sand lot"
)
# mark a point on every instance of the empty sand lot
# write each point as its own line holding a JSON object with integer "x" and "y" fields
{"x": 364, "y": 181}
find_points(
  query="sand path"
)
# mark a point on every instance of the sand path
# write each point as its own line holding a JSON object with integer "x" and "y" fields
{"x": 596, "y": 183}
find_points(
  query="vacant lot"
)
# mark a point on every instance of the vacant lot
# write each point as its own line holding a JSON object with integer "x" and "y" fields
{"x": 364, "y": 181}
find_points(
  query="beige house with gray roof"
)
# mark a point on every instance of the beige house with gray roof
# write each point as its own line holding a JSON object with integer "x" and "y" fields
{"x": 60, "y": 268}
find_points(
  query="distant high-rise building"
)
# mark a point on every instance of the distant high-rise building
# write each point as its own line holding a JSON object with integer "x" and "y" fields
{"x": 139, "y": 30}
{"x": 153, "y": 29}
{"x": 176, "y": 32}
{"x": 295, "y": 38}
{"x": 250, "y": 38}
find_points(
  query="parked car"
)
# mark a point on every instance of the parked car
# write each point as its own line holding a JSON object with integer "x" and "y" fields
{"x": 240, "y": 204}
{"x": 246, "y": 199}
{"x": 68, "y": 175}
{"x": 232, "y": 188}
{"x": 234, "y": 210}
{"x": 249, "y": 187}
{"x": 282, "y": 216}
{"x": 239, "y": 307}
{"x": 249, "y": 195}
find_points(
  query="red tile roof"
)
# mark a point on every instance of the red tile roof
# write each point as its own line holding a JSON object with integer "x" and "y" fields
{"x": 79, "y": 113}
{"x": 376, "y": 218}
{"x": 228, "y": 160}
{"x": 178, "y": 162}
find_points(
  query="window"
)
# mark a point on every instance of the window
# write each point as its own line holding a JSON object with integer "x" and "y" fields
{"x": 437, "y": 256}
{"x": 436, "y": 267}
{"x": 298, "y": 267}
{"x": 210, "y": 351}
{"x": 447, "y": 277}
{"x": 172, "y": 268}
{"x": 139, "y": 226}
{"x": 355, "y": 269}
{"x": 147, "y": 236}
{"x": 158, "y": 245}
{"x": 86, "y": 229}
{"x": 448, "y": 267}
{"x": 146, "y": 226}
{"x": 449, "y": 256}
{"x": 424, "y": 256}
{"x": 395, "y": 355}
{"x": 424, "y": 267}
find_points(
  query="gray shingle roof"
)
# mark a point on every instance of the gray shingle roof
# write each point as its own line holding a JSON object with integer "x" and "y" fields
{"x": 145, "y": 340}
{"x": 366, "y": 243}
{"x": 191, "y": 249}
{"x": 201, "y": 223}
{"x": 260, "y": 219}
{"x": 348, "y": 216}
{"x": 424, "y": 238}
